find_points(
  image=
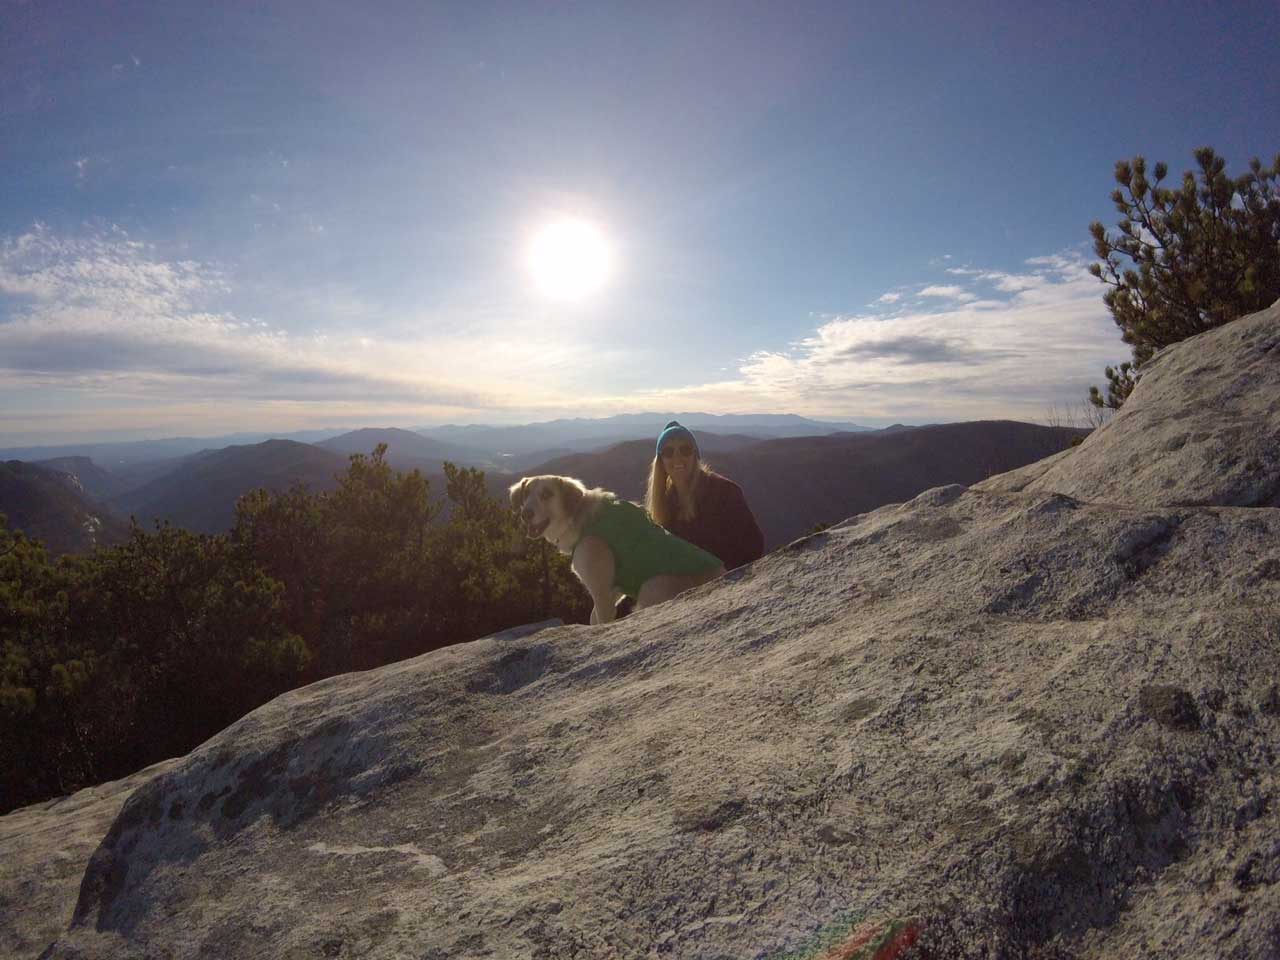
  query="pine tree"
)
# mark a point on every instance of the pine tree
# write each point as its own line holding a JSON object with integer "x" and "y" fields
{"x": 1202, "y": 256}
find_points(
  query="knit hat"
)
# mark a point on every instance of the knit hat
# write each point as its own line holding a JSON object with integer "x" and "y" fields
{"x": 672, "y": 431}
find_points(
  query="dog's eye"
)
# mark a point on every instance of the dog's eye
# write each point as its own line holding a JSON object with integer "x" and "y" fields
{"x": 545, "y": 495}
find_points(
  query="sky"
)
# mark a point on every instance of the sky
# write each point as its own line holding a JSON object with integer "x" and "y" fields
{"x": 221, "y": 217}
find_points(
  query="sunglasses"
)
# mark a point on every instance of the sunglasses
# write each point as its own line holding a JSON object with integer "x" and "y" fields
{"x": 683, "y": 450}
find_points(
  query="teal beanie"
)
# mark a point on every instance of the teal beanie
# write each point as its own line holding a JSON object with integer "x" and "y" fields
{"x": 671, "y": 431}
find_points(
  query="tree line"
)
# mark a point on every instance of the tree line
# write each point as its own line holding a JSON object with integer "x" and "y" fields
{"x": 137, "y": 653}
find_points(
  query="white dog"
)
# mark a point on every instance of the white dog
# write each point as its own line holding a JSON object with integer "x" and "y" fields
{"x": 616, "y": 548}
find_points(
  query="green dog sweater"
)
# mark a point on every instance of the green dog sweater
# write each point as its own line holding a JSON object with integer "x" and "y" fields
{"x": 641, "y": 548}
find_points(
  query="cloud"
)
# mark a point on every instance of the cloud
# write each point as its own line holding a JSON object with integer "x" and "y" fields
{"x": 915, "y": 349}
{"x": 104, "y": 312}
{"x": 969, "y": 357}
{"x": 106, "y": 269}
{"x": 947, "y": 293}
{"x": 889, "y": 298}
{"x": 1013, "y": 283}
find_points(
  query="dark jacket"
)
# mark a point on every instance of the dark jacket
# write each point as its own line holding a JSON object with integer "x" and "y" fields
{"x": 723, "y": 523}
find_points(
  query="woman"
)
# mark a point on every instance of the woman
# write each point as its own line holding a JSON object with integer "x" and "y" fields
{"x": 697, "y": 504}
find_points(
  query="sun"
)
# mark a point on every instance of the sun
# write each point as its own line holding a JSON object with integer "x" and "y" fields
{"x": 570, "y": 259}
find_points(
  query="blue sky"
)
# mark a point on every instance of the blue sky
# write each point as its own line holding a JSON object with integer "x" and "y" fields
{"x": 237, "y": 216}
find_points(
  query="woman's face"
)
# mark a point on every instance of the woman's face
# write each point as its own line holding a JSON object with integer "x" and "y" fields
{"x": 679, "y": 458}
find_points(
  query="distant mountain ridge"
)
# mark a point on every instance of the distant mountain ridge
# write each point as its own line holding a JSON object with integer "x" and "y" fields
{"x": 96, "y": 482}
{"x": 792, "y": 482}
{"x": 201, "y": 494}
{"x": 52, "y": 506}
{"x": 406, "y": 450}
{"x": 113, "y": 456}
{"x": 493, "y": 447}
{"x": 517, "y": 443}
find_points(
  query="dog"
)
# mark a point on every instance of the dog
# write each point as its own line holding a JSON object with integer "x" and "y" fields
{"x": 616, "y": 549}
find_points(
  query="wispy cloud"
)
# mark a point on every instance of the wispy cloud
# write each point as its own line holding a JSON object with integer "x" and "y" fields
{"x": 947, "y": 293}
{"x": 973, "y": 356}
{"x": 105, "y": 313}
{"x": 915, "y": 349}
{"x": 1012, "y": 283}
{"x": 104, "y": 269}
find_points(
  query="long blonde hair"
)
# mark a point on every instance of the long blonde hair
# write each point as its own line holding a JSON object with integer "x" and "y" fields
{"x": 658, "y": 494}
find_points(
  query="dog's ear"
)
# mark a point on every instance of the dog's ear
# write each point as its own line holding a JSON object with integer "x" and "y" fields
{"x": 519, "y": 491}
{"x": 571, "y": 496}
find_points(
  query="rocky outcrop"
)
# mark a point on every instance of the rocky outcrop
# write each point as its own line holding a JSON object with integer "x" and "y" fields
{"x": 1038, "y": 717}
{"x": 1202, "y": 429}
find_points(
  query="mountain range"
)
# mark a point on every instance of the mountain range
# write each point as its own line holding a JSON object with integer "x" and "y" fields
{"x": 201, "y": 491}
{"x": 793, "y": 483}
{"x": 516, "y": 447}
{"x": 489, "y": 447}
{"x": 406, "y": 450}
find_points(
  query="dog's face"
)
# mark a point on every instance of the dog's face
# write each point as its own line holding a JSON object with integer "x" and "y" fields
{"x": 546, "y": 505}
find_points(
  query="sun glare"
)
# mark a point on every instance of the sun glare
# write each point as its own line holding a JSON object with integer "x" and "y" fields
{"x": 569, "y": 259}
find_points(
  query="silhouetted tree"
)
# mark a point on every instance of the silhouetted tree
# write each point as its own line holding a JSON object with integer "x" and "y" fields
{"x": 1202, "y": 255}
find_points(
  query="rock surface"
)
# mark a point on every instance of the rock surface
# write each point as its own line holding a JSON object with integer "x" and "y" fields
{"x": 1201, "y": 429}
{"x": 1040, "y": 715}
{"x": 43, "y": 852}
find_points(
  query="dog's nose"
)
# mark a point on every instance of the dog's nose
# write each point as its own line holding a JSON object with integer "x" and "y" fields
{"x": 527, "y": 513}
